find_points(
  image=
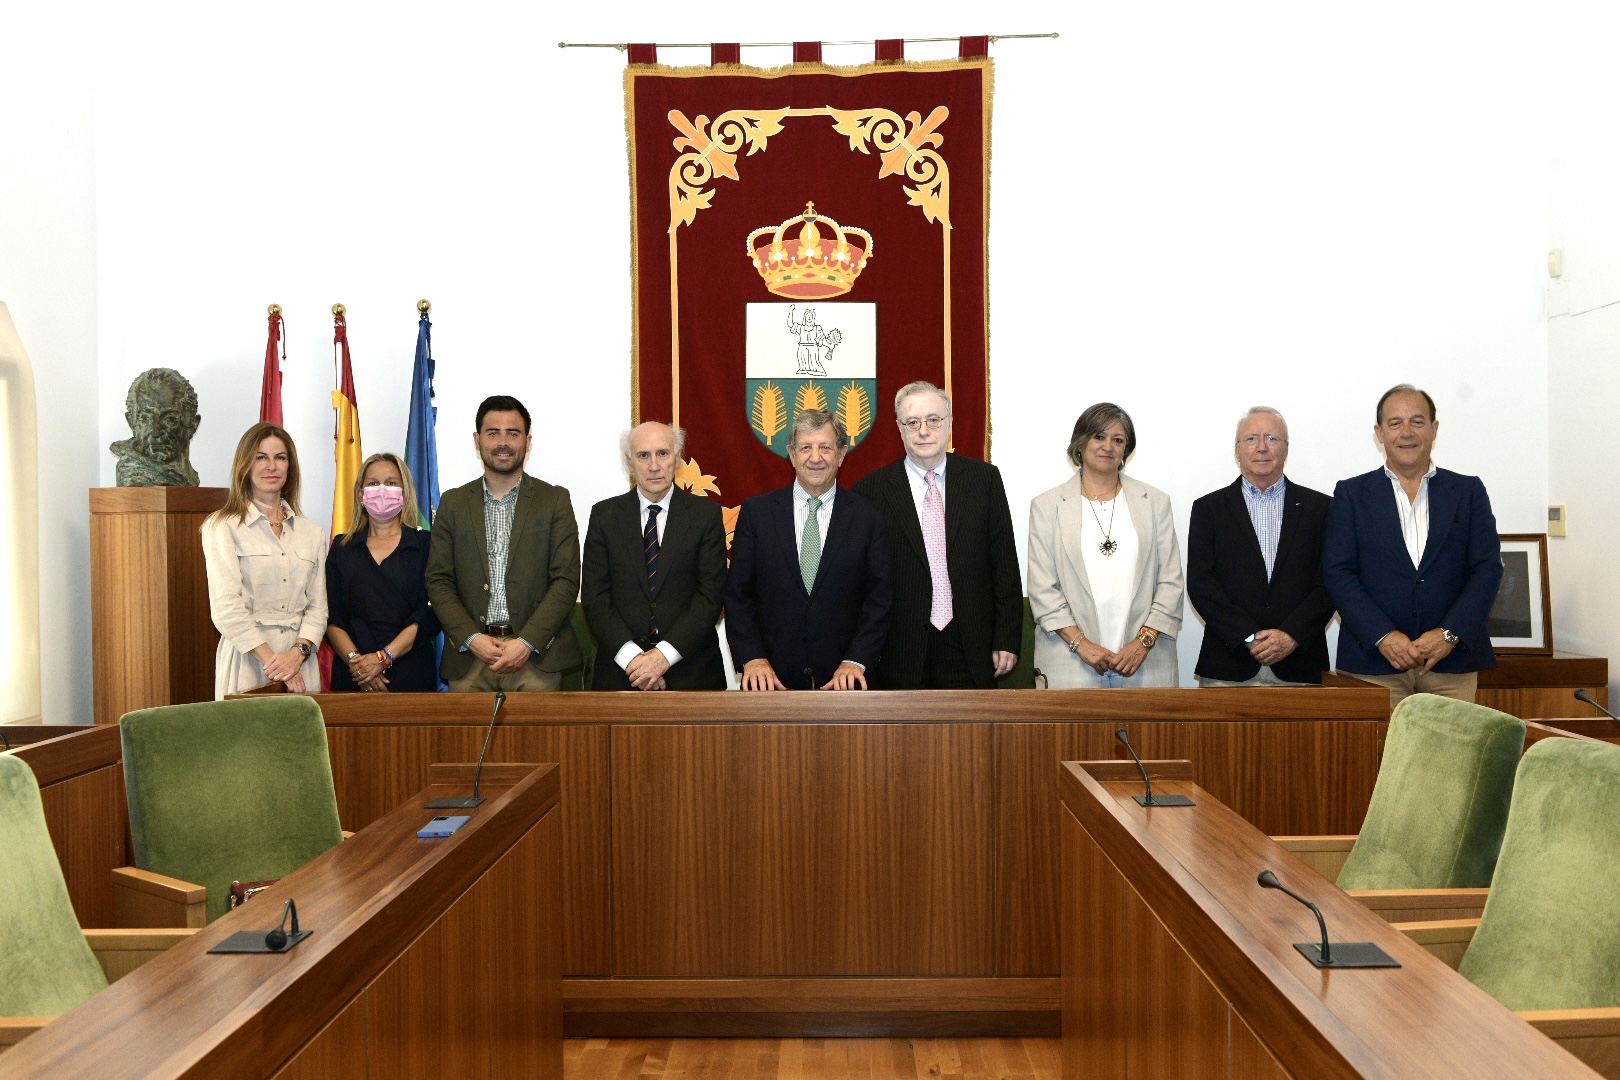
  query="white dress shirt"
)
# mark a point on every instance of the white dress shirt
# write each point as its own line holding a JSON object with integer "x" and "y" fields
{"x": 801, "y": 514}
{"x": 919, "y": 483}
{"x": 1414, "y": 514}
{"x": 1112, "y": 577}
{"x": 630, "y": 650}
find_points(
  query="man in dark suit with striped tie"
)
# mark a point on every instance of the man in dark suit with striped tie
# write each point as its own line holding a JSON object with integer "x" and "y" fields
{"x": 959, "y": 600}
{"x": 807, "y": 605}
{"x": 655, "y": 575}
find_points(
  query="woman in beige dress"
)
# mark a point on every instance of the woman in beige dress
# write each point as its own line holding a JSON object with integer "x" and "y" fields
{"x": 266, "y": 577}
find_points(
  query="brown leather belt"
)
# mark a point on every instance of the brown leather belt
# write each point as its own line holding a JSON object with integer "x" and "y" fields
{"x": 500, "y": 629}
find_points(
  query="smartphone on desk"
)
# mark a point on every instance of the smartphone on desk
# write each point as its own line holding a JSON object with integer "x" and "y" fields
{"x": 443, "y": 826}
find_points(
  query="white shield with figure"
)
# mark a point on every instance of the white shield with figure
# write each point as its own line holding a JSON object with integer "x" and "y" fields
{"x": 810, "y": 356}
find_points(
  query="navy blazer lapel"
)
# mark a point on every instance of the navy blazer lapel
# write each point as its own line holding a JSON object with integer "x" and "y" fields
{"x": 1239, "y": 509}
{"x": 782, "y": 510}
{"x": 837, "y": 529}
{"x": 1443, "y": 498}
{"x": 1387, "y": 514}
{"x": 1293, "y": 510}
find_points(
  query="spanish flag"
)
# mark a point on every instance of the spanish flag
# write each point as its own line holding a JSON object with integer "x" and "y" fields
{"x": 346, "y": 452}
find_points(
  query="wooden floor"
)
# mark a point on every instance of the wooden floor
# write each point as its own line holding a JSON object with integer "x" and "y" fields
{"x": 813, "y": 1059}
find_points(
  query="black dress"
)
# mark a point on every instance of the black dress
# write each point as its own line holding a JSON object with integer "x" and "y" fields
{"x": 373, "y": 602}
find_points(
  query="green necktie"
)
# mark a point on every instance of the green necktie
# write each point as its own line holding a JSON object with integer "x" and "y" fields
{"x": 810, "y": 549}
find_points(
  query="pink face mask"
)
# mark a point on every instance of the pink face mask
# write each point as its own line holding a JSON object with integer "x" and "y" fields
{"x": 383, "y": 503}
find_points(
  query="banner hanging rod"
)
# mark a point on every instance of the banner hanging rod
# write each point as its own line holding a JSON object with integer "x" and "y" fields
{"x": 621, "y": 46}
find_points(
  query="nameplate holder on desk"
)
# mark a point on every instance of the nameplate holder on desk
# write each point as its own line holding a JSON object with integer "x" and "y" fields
{"x": 1163, "y": 800}
{"x": 1348, "y": 954}
{"x": 252, "y": 941}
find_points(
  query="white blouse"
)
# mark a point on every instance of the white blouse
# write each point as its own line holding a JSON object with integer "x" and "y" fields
{"x": 1112, "y": 577}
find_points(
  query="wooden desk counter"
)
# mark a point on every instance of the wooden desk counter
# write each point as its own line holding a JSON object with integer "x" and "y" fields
{"x": 817, "y": 864}
{"x": 428, "y": 958}
{"x": 1177, "y": 964}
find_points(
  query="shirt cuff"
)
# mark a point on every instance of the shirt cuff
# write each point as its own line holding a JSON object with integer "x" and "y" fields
{"x": 627, "y": 652}
{"x": 465, "y": 645}
{"x": 530, "y": 644}
{"x": 671, "y": 653}
{"x": 856, "y": 663}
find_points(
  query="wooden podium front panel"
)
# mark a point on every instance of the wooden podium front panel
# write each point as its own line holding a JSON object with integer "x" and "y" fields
{"x": 153, "y": 637}
{"x": 800, "y": 849}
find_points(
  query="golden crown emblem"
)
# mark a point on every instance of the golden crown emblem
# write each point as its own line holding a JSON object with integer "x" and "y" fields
{"x": 816, "y": 264}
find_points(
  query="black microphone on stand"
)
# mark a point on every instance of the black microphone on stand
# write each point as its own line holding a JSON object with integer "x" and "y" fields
{"x": 1582, "y": 695}
{"x": 810, "y": 678}
{"x": 1355, "y": 954}
{"x": 1148, "y": 799}
{"x": 464, "y": 803}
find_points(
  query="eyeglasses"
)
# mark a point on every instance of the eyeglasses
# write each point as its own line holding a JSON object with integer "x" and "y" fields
{"x": 1254, "y": 440}
{"x": 915, "y": 424}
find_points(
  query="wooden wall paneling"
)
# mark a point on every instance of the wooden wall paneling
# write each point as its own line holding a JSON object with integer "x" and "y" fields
{"x": 88, "y": 819}
{"x": 375, "y": 767}
{"x": 337, "y": 1053}
{"x": 1537, "y": 702}
{"x": 1027, "y": 837}
{"x": 802, "y": 850}
{"x": 1095, "y": 1021}
{"x": 522, "y": 999}
{"x": 193, "y": 638}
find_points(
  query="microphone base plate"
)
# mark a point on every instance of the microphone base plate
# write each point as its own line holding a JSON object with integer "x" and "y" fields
{"x": 252, "y": 941}
{"x": 463, "y": 803}
{"x": 1348, "y": 954}
{"x": 1164, "y": 800}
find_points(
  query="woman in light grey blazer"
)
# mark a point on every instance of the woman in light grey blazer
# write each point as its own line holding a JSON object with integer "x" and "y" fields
{"x": 1105, "y": 581}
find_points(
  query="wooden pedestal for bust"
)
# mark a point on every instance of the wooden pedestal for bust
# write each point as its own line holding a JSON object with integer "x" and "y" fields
{"x": 153, "y": 638}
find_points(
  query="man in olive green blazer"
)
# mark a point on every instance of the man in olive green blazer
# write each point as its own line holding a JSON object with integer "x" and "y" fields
{"x": 503, "y": 570}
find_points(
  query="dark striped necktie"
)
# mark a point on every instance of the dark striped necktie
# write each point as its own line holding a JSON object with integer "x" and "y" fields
{"x": 649, "y": 550}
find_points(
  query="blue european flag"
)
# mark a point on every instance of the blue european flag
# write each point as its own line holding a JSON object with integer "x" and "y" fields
{"x": 421, "y": 445}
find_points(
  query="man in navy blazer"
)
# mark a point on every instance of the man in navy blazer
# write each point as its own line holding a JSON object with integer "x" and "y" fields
{"x": 808, "y": 600}
{"x": 1413, "y": 562}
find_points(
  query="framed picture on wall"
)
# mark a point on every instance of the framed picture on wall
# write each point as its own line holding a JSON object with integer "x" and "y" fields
{"x": 1521, "y": 619}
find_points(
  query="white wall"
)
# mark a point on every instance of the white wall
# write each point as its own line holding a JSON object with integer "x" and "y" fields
{"x": 48, "y": 280}
{"x": 1583, "y": 333}
{"x": 1192, "y": 211}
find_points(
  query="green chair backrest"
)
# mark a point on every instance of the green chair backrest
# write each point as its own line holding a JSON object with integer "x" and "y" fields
{"x": 45, "y": 966}
{"x": 579, "y": 678}
{"x": 1549, "y": 937}
{"x": 1022, "y": 676}
{"x": 1441, "y": 799}
{"x": 226, "y": 791}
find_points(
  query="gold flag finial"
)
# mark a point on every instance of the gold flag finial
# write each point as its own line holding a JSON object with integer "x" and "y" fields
{"x": 274, "y": 309}
{"x": 338, "y": 309}
{"x": 423, "y": 306}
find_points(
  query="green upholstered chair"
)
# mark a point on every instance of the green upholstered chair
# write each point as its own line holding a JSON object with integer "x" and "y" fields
{"x": 579, "y": 678}
{"x": 1022, "y": 676}
{"x": 1429, "y": 841}
{"x": 225, "y": 791}
{"x": 1548, "y": 942}
{"x": 47, "y": 964}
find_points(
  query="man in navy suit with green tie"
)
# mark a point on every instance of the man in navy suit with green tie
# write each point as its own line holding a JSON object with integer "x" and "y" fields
{"x": 810, "y": 591}
{"x": 1413, "y": 561}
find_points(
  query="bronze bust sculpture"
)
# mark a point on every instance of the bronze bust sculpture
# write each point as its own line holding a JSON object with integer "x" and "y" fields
{"x": 162, "y": 412}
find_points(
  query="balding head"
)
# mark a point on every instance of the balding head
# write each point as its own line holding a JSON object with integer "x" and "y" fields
{"x": 652, "y": 452}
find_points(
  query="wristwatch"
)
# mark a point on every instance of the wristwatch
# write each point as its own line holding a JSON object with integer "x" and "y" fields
{"x": 1148, "y": 636}
{"x": 302, "y": 647}
{"x": 351, "y": 656}
{"x": 1451, "y": 639}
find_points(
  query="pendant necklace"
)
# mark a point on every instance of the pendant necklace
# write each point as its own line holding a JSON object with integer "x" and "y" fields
{"x": 1109, "y": 545}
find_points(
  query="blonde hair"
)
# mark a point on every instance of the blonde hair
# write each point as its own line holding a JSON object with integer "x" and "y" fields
{"x": 241, "y": 493}
{"x": 361, "y": 521}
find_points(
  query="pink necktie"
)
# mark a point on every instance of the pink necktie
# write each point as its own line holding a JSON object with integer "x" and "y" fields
{"x": 933, "y": 527}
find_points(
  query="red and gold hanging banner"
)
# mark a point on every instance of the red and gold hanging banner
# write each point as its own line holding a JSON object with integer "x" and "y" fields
{"x": 808, "y": 236}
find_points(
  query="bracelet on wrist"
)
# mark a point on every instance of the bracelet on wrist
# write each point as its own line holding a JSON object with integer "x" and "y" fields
{"x": 1074, "y": 646}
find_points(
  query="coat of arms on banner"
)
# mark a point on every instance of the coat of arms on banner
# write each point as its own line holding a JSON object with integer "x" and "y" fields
{"x": 810, "y": 356}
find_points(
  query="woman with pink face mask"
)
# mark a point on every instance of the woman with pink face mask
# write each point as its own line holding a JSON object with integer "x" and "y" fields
{"x": 380, "y": 623}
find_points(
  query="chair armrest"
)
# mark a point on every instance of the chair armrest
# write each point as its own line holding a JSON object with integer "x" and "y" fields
{"x": 1324, "y": 854}
{"x": 144, "y": 899}
{"x": 122, "y": 951}
{"x": 1422, "y": 905}
{"x": 14, "y": 1029}
{"x": 1592, "y": 1035}
{"x": 1446, "y": 939}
